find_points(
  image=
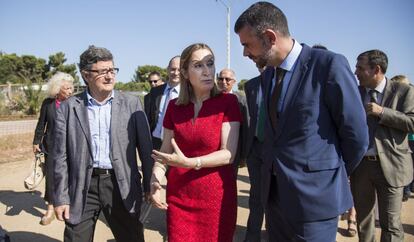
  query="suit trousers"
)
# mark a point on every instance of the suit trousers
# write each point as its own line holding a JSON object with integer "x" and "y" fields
{"x": 256, "y": 211}
{"x": 368, "y": 183}
{"x": 281, "y": 229}
{"x": 104, "y": 195}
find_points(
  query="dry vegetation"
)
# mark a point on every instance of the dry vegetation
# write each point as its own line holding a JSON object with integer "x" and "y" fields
{"x": 16, "y": 147}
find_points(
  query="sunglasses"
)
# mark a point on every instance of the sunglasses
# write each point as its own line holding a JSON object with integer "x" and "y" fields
{"x": 225, "y": 79}
{"x": 154, "y": 81}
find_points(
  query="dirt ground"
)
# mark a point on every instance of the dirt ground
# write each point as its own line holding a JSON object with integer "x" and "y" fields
{"x": 21, "y": 210}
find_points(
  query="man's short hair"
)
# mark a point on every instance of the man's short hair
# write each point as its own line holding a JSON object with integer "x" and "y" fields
{"x": 154, "y": 73}
{"x": 261, "y": 16}
{"x": 374, "y": 58}
{"x": 92, "y": 55}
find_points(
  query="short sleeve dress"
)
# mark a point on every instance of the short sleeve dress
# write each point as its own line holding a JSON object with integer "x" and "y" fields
{"x": 202, "y": 204}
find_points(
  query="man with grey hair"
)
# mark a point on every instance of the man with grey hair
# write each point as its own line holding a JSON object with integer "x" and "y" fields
{"x": 97, "y": 134}
{"x": 225, "y": 82}
{"x": 315, "y": 126}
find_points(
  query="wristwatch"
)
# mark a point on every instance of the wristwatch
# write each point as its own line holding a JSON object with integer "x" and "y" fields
{"x": 198, "y": 164}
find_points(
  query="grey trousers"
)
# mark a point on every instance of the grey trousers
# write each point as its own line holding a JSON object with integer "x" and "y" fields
{"x": 367, "y": 183}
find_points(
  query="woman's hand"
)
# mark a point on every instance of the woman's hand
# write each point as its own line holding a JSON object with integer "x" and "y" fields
{"x": 156, "y": 196}
{"x": 177, "y": 158}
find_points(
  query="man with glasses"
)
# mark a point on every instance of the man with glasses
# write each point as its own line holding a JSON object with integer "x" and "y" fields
{"x": 155, "y": 80}
{"x": 95, "y": 163}
{"x": 157, "y": 102}
{"x": 225, "y": 82}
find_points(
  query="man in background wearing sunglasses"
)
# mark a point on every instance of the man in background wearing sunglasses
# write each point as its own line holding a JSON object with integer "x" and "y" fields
{"x": 155, "y": 80}
{"x": 225, "y": 82}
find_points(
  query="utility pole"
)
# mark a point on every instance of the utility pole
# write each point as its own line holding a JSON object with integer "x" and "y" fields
{"x": 228, "y": 31}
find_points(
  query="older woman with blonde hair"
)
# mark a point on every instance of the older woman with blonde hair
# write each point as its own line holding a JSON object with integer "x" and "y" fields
{"x": 201, "y": 131}
{"x": 60, "y": 87}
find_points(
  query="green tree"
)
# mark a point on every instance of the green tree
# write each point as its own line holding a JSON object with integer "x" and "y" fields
{"x": 30, "y": 100}
{"x": 57, "y": 63}
{"x": 133, "y": 86}
{"x": 241, "y": 83}
{"x": 141, "y": 73}
{"x": 12, "y": 67}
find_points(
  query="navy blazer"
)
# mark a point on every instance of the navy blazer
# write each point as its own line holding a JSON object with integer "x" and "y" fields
{"x": 251, "y": 88}
{"x": 152, "y": 105}
{"x": 321, "y": 137}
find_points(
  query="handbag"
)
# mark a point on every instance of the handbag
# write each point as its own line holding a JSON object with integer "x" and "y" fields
{"x": 37, "y": 172}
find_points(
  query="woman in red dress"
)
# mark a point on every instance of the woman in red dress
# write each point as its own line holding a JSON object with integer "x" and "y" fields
{"x": 201, "y": 131}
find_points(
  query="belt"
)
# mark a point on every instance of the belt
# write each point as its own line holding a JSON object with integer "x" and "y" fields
{"x": 99, "y": 171}
{"x": 371, "y": 157}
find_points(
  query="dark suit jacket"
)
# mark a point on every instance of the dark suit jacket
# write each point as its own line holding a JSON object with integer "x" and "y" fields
{"x": 152, "y": 109}
{"x": 73, "y": 157}
{"x": 321, "y": 134}
{"x": 391, "y": 134}
{"x": 251, "y": 88}
{"x": 241, "y": 154}
{"x": 45, "y": 125}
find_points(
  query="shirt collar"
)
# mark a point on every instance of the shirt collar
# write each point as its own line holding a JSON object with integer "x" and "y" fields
{"x": 289, "y": 62}
{"x": 176, "y": 88}
{"x": 380, "y": 88}
{"x": 93, "y": 100}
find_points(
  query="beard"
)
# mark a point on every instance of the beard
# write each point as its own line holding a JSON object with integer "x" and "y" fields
{"x": 263, "y": 59}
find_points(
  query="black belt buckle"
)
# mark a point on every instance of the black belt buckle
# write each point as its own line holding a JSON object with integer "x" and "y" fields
{"x": 99, "y": 171}
{"x": 371, "y": 158}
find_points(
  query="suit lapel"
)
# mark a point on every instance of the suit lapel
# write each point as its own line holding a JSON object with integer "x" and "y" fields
{"x": 81, "y": 112}
{"x": 158, "y": 103}
{"x": 115, "y": 114}
{"x": 389, "y": 94}
{"x": 294, "y": 85}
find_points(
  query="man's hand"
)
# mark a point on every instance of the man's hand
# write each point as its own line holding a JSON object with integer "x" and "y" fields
{"x": 62, "y": 212}
{"x": 374, "y": 109}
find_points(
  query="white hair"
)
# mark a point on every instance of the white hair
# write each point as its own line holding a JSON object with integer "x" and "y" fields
{"x": 56, "y": 81}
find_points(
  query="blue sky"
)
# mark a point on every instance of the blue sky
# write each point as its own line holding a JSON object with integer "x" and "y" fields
{"x": 150, "y": 32}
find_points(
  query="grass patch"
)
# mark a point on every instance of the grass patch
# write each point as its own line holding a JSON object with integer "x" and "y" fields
{"x": 16, "y": 147}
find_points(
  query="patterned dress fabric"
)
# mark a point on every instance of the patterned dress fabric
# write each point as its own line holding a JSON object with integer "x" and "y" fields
{"x": 202, "y": 204}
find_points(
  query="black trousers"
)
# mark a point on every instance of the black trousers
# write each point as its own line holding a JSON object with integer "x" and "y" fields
{"x": 104, "y": 195}
{"x": 256, "y": 213}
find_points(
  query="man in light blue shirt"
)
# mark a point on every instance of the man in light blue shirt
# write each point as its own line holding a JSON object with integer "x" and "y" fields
{"x": 97, "y": 135}
{"x": 159, "y": 98}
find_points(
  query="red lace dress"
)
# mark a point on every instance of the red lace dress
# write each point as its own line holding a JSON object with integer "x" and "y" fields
{"x": 202, "y": 205}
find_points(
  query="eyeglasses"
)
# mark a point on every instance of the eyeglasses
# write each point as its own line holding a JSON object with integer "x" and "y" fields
{"x": 227, "y": 79}
{"x": 154, "y": 81}
{"x": 104, "y": 72}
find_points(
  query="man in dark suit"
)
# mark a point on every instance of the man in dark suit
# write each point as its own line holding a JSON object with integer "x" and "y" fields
{"x": 225, "y": 82}
{"x": 156, "y": 103}
{"x": 387, "y": 165}
{"x": 97, "y": 135}
{"x": 254, "y": 140}
{"x": 155, "y": 80}
{"x": 316, "y": 132}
